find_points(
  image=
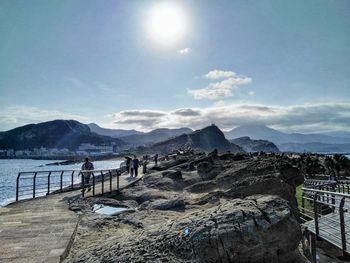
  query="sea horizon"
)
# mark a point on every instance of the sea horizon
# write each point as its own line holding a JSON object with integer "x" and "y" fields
{"x": 9, "y": 169}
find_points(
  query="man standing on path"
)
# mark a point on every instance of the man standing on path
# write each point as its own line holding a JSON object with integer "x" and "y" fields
{"x": 156, "y": 159}
{"x": 132, "y": 167}
{"x": 87, "y": 166}
{"x": 136, "y": 165}
{"x": 127, "y": 162}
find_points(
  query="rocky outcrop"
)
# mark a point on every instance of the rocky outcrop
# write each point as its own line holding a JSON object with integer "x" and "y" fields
{"x": 207, "y": 139}
{"x": 228, "y": 209}
{"x": 250, "y": 145}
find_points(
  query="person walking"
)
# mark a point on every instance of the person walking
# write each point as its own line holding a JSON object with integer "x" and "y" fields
{"x": 136, "y": 165}
{"x": 132, "y": 167}
{"x": 144, "y": 166}
{"x": 86, "y": 167}
{"x": 156, "y": 159}
{"x": 127, "y": 163}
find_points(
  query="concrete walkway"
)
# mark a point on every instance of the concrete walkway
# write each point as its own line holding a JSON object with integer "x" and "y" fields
{"x": 39, "y": 230}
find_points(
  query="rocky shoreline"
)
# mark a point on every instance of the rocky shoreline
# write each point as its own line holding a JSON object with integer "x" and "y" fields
{"x": 198, "y": 208}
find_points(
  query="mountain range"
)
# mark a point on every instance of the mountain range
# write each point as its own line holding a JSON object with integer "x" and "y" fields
{"x": 54, "y": 134}
{"x": 115, "y": 133}
{"x": 261, "y": 132}
{"x": 333, "y": 142}
{"x": 137, "y": 138}
{"x": 70, "y": 134}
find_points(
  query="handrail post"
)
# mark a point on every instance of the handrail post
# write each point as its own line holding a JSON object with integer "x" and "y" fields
{"x": 342, "y": 225}
{"x": 93, "y": 184}
{"x": 82, "y": 184}
{"x": 17, "y": 186}
{"x": 34, "y": 183}
{"x": 48, "y": 183}
{"x": 110, "y": 181}
{"x": 118, "y": 182}
{"x": 61, "y": 181}
{"x": 316, "y": 215}
{"x": 103, "y": 179}
{"x": 72, "y": 182}
{"x": 302, "y": 202}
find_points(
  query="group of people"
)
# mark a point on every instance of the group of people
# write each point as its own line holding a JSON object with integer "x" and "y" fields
{"x": 132, "y": 168}
{"x": 132, "y": 165}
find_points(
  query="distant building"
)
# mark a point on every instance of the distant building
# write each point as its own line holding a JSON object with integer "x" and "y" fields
{"x": 95, "y": 150}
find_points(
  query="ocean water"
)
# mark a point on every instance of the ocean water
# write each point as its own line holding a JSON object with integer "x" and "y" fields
{"x": 9, "y": 169}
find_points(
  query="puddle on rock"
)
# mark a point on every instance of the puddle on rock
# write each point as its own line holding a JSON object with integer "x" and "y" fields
{"x": 108, "y": 210}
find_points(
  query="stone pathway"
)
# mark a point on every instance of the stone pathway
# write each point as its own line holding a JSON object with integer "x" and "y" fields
{"x": 39, "y": 230}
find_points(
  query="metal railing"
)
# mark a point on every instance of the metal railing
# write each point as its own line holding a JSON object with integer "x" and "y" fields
{"x": 40, "y": 183}
{"x": 340, "y": 186}
{"x": 327, "y": 215}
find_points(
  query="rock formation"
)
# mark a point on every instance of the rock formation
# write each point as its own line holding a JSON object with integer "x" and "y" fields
{"x": 207, "y": 139}
{"x": 229, "y": 208}
{"x": 250, "y": 145}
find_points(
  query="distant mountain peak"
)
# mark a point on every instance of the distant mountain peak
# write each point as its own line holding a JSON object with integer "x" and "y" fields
{"x": 262, "y": 132}
{"x": 53, "y": 134}
{"x": 208, "y": 139}
{"x": 250, "y": 145}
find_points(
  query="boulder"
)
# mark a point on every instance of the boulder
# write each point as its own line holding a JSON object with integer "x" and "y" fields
{"x": 208, "y": 170}
{"x": 164, "y": 204}
{"x": 175, "y": 175}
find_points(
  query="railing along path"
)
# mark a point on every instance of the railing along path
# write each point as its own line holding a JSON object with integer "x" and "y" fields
{"x": 40, "y": 183}
{"x": 325, "y": 212}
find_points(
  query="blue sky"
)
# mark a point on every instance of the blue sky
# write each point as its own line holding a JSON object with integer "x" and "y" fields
{"x": 285, "y": 64}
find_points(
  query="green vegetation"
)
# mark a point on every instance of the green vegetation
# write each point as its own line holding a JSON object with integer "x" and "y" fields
{"x": 308, "y": 206}
{"x": 298, "y": 195}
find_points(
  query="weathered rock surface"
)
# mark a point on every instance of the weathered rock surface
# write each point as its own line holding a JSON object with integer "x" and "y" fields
{"x": 228, "y": 209}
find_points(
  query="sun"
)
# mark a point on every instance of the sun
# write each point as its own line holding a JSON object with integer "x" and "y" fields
{"x": 166, "y": 23}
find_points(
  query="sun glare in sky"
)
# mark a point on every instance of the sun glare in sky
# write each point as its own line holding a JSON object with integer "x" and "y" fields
{"x": 166, "y": 23}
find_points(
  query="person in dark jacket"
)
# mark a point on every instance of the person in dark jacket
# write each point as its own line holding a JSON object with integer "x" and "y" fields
{"x": 156, "y": 159}
{"x": 86, "y": 167}
{"x": 136, "y": 163}
{"x": 127, "y": 163}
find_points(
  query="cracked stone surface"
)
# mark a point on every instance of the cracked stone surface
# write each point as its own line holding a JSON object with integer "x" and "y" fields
{"x": 244, "y": 211}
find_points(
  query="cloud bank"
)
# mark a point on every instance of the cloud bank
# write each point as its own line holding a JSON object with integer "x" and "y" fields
{"x": 299, "y": 118}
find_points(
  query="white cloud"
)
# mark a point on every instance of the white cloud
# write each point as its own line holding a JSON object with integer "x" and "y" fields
{"x": 301, "y": 118}
{"x": 221, "y": 89}
{"x": 187, "y": 112}
{"x": 184, "y": 51}
{"x": 219, "y": 74}
{"x": 20, "y": 115}
{"x": 251, "y": 93}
